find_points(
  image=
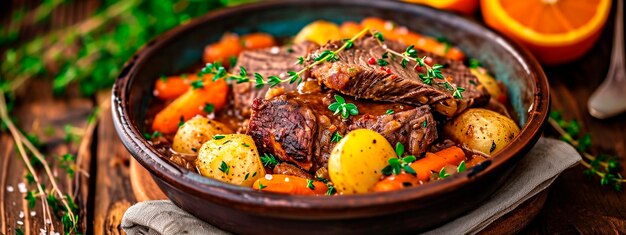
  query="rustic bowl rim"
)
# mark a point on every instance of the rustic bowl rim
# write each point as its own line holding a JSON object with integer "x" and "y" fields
{"x": 195, "y": 184}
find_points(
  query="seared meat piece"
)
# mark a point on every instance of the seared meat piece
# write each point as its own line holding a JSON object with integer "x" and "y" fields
{"x": 267, "y": 62}
{"x": 288, "y": 169}
{"x": 415, "y": 128}
{"x": 298, "y": 128}
{"x": 353, "y": 75}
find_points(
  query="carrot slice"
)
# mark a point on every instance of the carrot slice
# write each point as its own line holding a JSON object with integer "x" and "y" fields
{"x": 288, "y": 184}
{"x": 257, "y": 41}
{"x": 229, "y": 46}
{"x": 435, "y": 161}
{"x": 383, "y": 26}
{"x": 190, "y": 104}
{"x": 172, "y": 87}
{"x": 423, "y": 167}
{"x": 395, "y": 182}
{"x": 452, "y": 155}
{"x": 348, "y": 29}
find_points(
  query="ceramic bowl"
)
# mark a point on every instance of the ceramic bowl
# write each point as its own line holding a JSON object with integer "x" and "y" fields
{"x": 243, "y": 210}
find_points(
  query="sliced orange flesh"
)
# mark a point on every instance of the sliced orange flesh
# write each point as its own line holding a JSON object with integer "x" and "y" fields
{"x": 548, "y": 22}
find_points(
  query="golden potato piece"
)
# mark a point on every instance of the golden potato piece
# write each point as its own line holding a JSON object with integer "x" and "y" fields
{"x": 481, "y": 130}
{"x": 488, "y": 81}
{"x": 320, "y": 32}
{"x": 231, "y": 158}
{"x": 355, "y": 164}
{"x": 199, "y": 129}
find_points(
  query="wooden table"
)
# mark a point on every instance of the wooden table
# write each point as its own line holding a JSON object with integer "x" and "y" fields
{"x": 574, "y": 204}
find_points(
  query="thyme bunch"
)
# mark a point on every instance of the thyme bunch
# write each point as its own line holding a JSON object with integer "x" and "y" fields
{"x": 606, "y": 167}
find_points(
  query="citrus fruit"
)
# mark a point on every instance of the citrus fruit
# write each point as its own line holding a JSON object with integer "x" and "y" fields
{"x": 556, "y": 31}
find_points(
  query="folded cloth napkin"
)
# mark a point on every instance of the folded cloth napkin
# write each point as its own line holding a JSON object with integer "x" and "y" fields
{"x": 534, "y": 173}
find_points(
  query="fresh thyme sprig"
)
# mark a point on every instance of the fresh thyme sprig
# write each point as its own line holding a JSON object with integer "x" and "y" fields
{"x": 219, "y": 72}
{"x": 341, "y": 107}
{"x": 432, "y": 72}
{"x": 607, "y": 168}
{"x": 399, "y": 163}
{"x": 269, "y": 160}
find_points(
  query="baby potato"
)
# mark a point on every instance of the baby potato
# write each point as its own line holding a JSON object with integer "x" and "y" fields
{"x": 319, "y": 32}
{"x": 231, "y": 158}
{"x": 355, "y": 164}
{"x": 481, "y": 130}
{"x": 488, "y": 81}
{"x": 199, "y": 129}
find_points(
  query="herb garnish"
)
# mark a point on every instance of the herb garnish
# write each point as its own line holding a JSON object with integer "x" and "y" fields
{"x": 474, "y": 63}
{"x": 218, "y": 137}
{"x": 461, "y": 167}
{"x": 269, "y": 160}
{"x": 382, "y": 62}
{"x": 341, "y": 107}
{"x": 604, "y": 166}
{"x": 331, "y": 190}
{"x": 432, "y": 72}
{"x": 181, "y": 121}
{"x": 224, "y": 168}
{"x": 197, "y": 84}
{"x": 152, "y": 136}
{"x": 389, "y": 111}
{"x": 399, "y": 163}
{"x": 309, "y": 184}
{"x": 208, "y": 108}
{"x": 336, "y": 137}
{"x": 219, "y": 72}
{"x": 261, "y": 186}
{"x": 443, "y": 174}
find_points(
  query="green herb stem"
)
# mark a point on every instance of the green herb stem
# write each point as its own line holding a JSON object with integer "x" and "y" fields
{"x": 567, "y": 137}
{"x": 432, "y": 72}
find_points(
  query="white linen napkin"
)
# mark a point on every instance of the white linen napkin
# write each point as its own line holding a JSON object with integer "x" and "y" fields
{"x": 534, "y": 173}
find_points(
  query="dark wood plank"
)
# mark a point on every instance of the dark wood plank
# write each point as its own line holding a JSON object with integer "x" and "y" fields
{"x": 113, "y": 193}
{"x": 36, "y": 112}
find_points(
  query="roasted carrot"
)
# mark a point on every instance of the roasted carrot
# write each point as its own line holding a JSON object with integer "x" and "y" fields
{"x": 171, "y": 87}
{"x": 348, "y": 29}
{"x": 435, "y": 161}
{"x": 288, "y": 184}
{"x": 257, "y": 41}
{"x": 453, "y": 155}
{"x": 455, "y": 54}
{"x": 190, "y": 104}
{"x": 391, "y": 31}
{"x": 228, "y": 46}
{"x": 383, "y": 26}
{"x": 423, "y": 167}
{"x": 395, "y": 182}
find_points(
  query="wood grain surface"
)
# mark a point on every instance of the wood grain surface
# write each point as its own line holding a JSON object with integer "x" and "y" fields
{"x": 574, "y": 204}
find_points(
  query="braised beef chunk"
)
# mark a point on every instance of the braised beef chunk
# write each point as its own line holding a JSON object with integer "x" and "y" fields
{"x": 353, "y": 75}
{"x": 299, "y": 128}
{"x": 267, "y": 62}
{"x": 415, "y": 128}
{"x": 284, "y": 168}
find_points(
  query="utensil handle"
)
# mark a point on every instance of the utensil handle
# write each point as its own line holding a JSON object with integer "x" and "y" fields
{"x": 617, "y": 55}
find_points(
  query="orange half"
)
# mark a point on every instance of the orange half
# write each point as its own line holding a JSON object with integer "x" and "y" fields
{"x": 556, "y": 31}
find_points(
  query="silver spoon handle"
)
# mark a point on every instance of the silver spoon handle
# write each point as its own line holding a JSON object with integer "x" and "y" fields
{"x": 610, "y": 98}
{"x": 617, "y": 54}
